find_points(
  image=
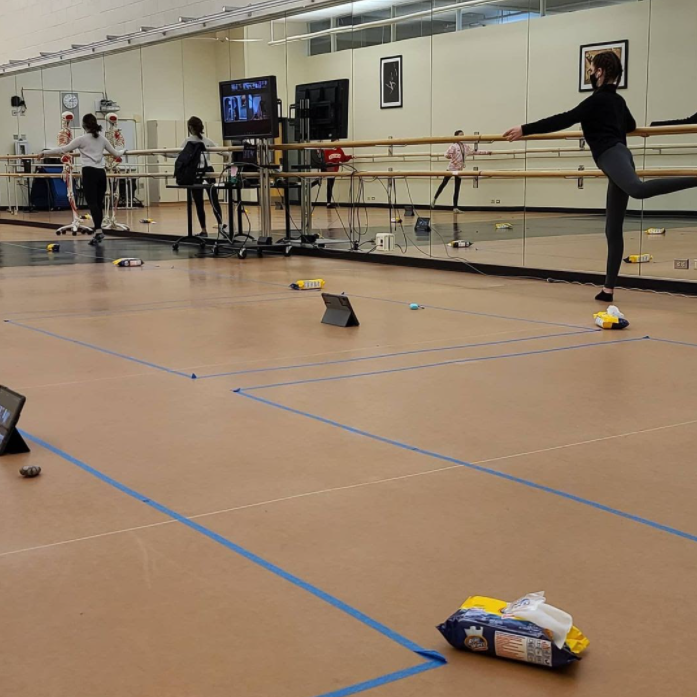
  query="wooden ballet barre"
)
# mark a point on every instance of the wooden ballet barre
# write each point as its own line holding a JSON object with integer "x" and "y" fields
{"x": 484, "y": 138}
{"x": 434, "y": 140}
{"x": 115, "y": 175}
{"x": 484, "y": 174}
{"x": 136, "y": 153}
{"x": 527, "y": 151}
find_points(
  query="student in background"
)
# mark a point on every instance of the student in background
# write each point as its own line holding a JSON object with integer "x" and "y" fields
{"x": 195, "y": 127}
{"x": 333, "y": 159}
{"x": 91, "y": 147}
{"x": 456, "y": 153}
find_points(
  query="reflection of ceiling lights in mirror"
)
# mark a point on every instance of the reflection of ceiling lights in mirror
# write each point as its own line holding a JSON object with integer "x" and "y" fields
{"x": 264, "y": 10}
{"x": 224, "y": 39}
{"x": 372, "y": 4}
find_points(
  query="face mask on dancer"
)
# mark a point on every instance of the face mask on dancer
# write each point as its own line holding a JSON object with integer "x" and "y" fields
{"x": 594, "y": 81}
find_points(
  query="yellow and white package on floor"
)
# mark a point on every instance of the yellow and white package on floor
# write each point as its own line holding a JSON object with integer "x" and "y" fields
{"x": 638, "y": 259}
{"x": 527, "y": 630}
{"x": 612, "y": 318}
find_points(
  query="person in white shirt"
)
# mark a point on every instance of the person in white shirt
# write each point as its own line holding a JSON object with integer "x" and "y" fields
{"x": 91, "y": 147}
{"x": 456, "y": 153}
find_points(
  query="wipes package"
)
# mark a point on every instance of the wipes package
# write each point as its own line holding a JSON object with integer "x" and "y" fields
{"x": 526, "y": 630}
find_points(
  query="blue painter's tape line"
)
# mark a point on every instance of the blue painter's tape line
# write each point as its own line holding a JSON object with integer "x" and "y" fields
{"x": 98, "y": 348}
{"x": 389, "y": 355}
{"x": 383, "y": 680}
{"x": 233, "y": 547}
{"x": 479, "y": 468}
{"x": 673, "y": 341}
{"x": 443, "y": 363}
{"x": 476, "y": 314}
{"x": 212, "y": 303}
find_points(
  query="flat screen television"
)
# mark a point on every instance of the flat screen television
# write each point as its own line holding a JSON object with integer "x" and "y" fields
{"x": 329, "y": 103}
{"x": 249, "y": 108}
{"x": 11, "y": 405}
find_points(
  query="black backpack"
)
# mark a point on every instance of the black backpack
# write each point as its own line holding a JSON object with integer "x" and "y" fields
{"x": 188, "y": 163}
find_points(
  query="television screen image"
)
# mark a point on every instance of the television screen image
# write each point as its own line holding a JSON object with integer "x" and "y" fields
{"x": 244, "y": 107}
{"x": 248, "y": 108}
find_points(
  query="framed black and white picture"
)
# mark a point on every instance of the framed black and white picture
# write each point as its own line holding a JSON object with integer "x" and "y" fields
{"x": 590, "y": 51}
{"x": 391, "y": 82}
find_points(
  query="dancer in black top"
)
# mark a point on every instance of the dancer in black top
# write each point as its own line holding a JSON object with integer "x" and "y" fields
{"x": 606, "y": 120}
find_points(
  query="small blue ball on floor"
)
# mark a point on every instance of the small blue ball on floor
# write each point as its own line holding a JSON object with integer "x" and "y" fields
{"x": 413, "y": 306}
{"x": 30, "y": 471}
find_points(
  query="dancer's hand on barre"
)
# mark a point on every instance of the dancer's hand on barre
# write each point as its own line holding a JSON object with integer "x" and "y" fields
{"x": 513, "y": 134}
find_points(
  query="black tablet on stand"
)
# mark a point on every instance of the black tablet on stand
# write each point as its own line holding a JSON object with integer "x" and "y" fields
{"x": 11, "y": 405}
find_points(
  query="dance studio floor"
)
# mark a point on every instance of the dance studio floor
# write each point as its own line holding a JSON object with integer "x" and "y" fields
{"x": 297, "y": 519}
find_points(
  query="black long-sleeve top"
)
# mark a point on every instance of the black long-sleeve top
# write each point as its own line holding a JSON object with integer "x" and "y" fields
{"x": 604, "y": 118}
{"x": 689, "y": 121}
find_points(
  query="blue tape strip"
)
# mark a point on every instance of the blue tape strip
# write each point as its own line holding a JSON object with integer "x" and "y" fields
{"x": 672, "y": 341}
{"x": 477, "y": 468}
{"x": 475, "y": 314}
{"x": 383, "y": 680}
{"x": 389, "y": 355}
{"x": 212, "y": 303}
{"x": 250, "y": 556}
{"x": 180, "y": 301}
{"x": 98, "y": 348}
{"x": 443, "y": 363}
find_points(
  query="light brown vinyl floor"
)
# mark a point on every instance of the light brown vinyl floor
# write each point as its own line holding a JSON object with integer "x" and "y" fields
{"x": 295, "y": 521}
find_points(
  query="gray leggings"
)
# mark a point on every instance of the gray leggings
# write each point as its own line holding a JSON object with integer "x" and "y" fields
{"x": 618, "y": 164}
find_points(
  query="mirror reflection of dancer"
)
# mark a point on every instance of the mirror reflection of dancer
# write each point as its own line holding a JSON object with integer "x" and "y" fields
{"x": 606, "y": 120}
{"x": 91, "y": 147}
{"x": 456, "y": 153}
{"x": 195, "y": 127}
{"x": 333, "y": 159}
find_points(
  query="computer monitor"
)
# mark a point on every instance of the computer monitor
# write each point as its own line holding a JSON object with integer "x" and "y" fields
{"x": 329, "y": 103}
{"x": 249, "y": 108}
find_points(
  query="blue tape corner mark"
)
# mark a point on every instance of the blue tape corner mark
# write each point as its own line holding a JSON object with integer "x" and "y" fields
{"x": 386, "y": 679}
{"x": 433, "y": 658}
